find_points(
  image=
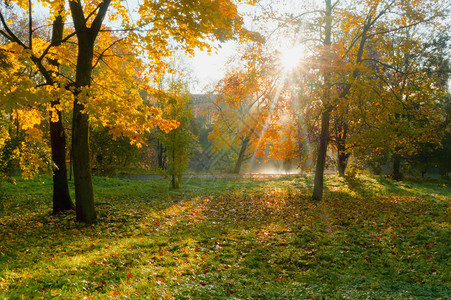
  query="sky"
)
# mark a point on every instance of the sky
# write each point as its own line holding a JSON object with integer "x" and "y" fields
{"x": 208, "y": 69}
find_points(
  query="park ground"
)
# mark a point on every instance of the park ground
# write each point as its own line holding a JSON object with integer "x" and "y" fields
{"x": 228, "y": 238}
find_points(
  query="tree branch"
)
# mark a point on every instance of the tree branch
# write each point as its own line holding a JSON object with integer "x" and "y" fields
{"x": 77, "y": 15}
{"x": 105, "y": 50}
{"x": 55, "y": 43}
{"x": 30, "y": 26}
{"x": 12, "y": 37}
{"x": 92, "y": 12}
{"x": 97, "y": 23}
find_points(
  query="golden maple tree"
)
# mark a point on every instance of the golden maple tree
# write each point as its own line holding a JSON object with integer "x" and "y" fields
{"x": 159, "y": 28}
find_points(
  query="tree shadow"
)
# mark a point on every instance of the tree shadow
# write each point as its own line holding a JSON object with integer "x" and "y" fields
{"x": 360, "y": 186}
{"x": 214, "y": 233}
{"x": 393, "y": 186}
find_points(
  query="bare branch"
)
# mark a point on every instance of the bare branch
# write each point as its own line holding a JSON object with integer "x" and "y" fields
{"x": 11, "y": 36}
{"x": 5, "y": 35}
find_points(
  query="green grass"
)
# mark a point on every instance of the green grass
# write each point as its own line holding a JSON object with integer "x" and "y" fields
{"x": 371, "y": 238}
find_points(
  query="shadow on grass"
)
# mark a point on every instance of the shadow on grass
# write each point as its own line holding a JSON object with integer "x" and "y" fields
{"x": 415, "y": 187}
{"x": 393, "y": 187}
{"x": 360, "y": 186}
{"x": 222, "y": 239}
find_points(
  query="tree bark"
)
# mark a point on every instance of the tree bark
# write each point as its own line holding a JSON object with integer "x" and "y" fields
{"x": 86, "y": 36}
{"x": 325, "y": 115}
{"x": 61, "y": 196}
{"x": 161, "y": 157}
{"x": 175, "y": 183}
{"x": 84, "y": 194}
{"x": 71, "y": 161}
{"x": 321, "y": 158}
{"x": 342, "y": 163}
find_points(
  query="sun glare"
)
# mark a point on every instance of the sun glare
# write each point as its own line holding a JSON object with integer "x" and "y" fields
{"x": 290, "y": 57}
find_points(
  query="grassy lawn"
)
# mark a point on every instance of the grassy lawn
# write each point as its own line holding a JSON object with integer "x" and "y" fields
{"x": 371, "y": 238}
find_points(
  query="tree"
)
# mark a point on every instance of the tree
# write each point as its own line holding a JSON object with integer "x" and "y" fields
{"x": 22, "y": 143}
{"x": 327, "y": 105}
{"x": 413, "y": 90}
{"x": 49, "y": 72}
{"x": 253, "y": 108}
{"x": 346, "y": 30}
{"x": 180, "y": 143}
{"x": 189, "y": 24}
{"x": 61, "y": 196}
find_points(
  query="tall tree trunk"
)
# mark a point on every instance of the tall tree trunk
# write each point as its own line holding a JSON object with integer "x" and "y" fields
{"x": 71, "y": 161}
{"x": 321, "y": 158}
{"x": 317, "y": 194}
{"x": 241, "y": 156}
{"x": 61, "y": 196}
{"x": 325, "y": 115}
{"x": 84, "y": 194}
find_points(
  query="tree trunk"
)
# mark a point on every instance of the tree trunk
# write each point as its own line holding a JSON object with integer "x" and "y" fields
{"x": 341, "y": 129}
{"x": 84, "y": 194}
{"x": 325, "y": 115}
{"x": 61, "y": 196}
{"x": 161, "y": 156}
{"x": 71, "y": 161}
{"x": 342, "y": 155}
{"x": 175, "y": 183}
{"x": 241, "y": 156}
{"x": 321, "y": 158}
{"x": 342, "y": 163}
{"x": 396, "y": 174}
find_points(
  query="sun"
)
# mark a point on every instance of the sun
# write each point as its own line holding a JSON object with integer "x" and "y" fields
{"x": 291, "y": 57}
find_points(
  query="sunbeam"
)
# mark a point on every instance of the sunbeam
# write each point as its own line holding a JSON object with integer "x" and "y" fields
{"x": 271, "y": 110}
{"x": 291, "y": 57}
